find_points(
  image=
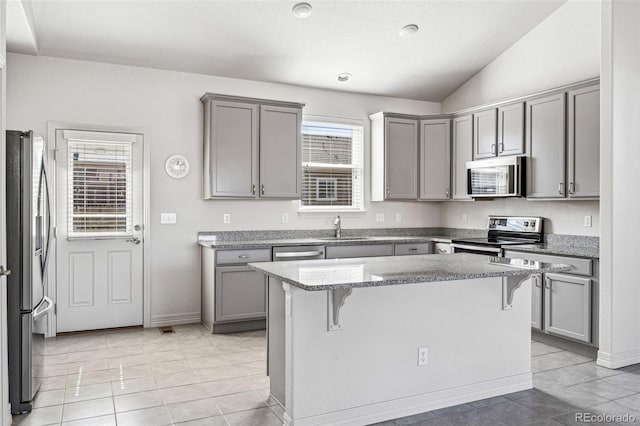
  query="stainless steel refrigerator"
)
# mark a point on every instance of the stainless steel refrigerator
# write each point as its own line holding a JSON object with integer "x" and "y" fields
{"x": 28, "y": 244}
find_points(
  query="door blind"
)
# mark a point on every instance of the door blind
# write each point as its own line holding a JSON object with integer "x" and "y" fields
{"x": 99, "y": 189}
{"x": 332, "y": 166}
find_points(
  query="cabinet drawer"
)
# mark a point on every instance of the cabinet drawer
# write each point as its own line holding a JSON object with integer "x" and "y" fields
{"x": 408, "y": 249}
{"x": 235, "y": 257}
{"x": 368, "y": 250}
{"x": 582, "y": 266}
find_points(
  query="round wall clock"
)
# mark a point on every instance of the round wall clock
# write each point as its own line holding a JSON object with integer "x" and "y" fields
{"x": 177, "y": 166}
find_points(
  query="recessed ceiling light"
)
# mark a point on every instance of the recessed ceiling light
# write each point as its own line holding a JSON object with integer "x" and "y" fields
{"x": 344, "y": 76}
{"x": 408, "y": 30}
{"x": 302, "y": 10}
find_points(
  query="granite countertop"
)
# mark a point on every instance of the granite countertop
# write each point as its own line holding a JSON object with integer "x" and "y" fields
{"x": 592, "y": 251}
{"x": 267, "y": 243}
{"x": 316, "y": 275}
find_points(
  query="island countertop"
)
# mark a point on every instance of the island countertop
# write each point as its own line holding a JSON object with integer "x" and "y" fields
{"x": 331, "y": 274}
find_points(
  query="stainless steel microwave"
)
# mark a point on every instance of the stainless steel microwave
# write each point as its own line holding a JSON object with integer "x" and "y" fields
{"x": 496, "y": 177}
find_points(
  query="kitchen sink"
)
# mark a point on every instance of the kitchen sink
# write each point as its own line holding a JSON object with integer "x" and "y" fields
{"x": 343, "y": 238}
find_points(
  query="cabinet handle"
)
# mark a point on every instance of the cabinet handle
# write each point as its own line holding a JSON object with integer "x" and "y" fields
{"x": 536, "y": 280}
{"x": 572, "y": 188}
{"x": 561, "y": 188}
{"x": 547, "y": 283}
{"x": 413, "y": 249}
{"x": 446, "y": 192}
{"x": 253, "y": 189}
{"x": 493, "y": 148}
{"x": 262, "y": 189}
{"x": 243, "y": 256}
{"x": 388, "y": 189}
{"x": 501, "y": 147}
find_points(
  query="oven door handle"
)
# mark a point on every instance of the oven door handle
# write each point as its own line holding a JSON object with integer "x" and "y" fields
{"x": 477, "y": 248}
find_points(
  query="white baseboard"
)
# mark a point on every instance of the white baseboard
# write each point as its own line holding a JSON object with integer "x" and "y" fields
{"x": 387, "y": 410}
{"x": 8, "y": 419}
{"x": 618, "y": 360}
{"x": 175, "y": 319}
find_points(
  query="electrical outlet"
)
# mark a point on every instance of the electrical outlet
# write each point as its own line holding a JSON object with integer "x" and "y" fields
{"x": 379, "y": 217}
{"x": 465, "y": 217}
{"x": 423, "y": 356}
{"x": 587, "y": 221}
{"x": 167, "y": 218}
{"x": 285, "y": 217}
{"x": 398, "y": 217}
{"x": 226, "y": 218}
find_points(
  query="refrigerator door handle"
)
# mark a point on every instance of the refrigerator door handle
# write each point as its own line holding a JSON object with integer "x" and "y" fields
{"x": 48, "y": 197}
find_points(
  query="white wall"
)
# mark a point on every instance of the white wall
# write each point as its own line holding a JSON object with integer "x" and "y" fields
{"x": 166, "y": 103}
{"x": 562, "y": 49}
{"x": 561, "y": 217}
{"x": 620, "y": 200}
{"x": 5, "y": 412}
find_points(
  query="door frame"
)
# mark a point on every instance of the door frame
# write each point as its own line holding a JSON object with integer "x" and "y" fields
{"x": 52, "y": 284}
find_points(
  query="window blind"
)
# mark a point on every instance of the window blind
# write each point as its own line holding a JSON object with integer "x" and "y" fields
{"x": 99, "y": 191}
{"x": 332, "y": 166}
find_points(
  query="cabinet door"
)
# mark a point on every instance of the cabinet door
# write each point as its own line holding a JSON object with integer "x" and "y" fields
{"x": 536, "y": 301}
{"x": 401, "y": 158}
{"x": 545, "y": 143}
{"x": 231, "y": 149}
{"x": 584, "y": 142}
{"x": 485, "y": 137}
{"x": 511, "y": 129}
{"x": 567, "y": 310}
{"x": 435, "y": 160}
{"x": 240, "y": 294}
{"x": 280, "y": 163}
{"x": 462, "y": 152}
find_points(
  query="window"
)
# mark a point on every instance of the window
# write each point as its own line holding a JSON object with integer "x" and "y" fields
{"x": 332, "y": 166}
{"x": 99, "y": 197}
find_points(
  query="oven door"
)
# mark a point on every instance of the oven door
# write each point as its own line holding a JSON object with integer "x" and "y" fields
{"x": 476, "y": 249}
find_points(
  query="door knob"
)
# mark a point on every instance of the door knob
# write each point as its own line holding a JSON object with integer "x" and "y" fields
{"x": 134, "y": 240}
{"x": 4, "y": 272}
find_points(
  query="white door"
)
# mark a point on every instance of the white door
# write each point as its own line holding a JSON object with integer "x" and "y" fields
{"x": 99, "y": 230}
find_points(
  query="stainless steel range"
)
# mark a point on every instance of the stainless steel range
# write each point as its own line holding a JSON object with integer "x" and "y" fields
{"x": 503, "y": 231}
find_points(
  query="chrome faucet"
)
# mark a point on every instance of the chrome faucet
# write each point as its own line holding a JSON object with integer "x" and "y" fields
{"x": 338, "y": 225}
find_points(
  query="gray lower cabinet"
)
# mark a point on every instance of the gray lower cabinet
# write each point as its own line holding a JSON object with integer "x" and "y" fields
{"x": 251, "y": 148}
{"x": 435, "y": 159}
{"x": 359, "y": 250}
{"x": 462, "y": 151}
{"x": 545, "y": 135}
{"x": 485, "y": 137}
{"x": 583, "y": 142}
{"x": 567, "y": 304}
{"x": 240, "y": 294}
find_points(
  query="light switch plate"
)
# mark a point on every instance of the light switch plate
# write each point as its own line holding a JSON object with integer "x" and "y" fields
{"x": 285, "y": 217}
{"x": 398, "y": 217}
{"x": 226, "y": 218}
{"x": 168, "y": 218}
{"x": 379, "y": 217}
{"x": 587, "y": 221}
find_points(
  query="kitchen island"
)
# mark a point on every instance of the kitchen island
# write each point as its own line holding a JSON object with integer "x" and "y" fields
{"x": 358, "y": 341}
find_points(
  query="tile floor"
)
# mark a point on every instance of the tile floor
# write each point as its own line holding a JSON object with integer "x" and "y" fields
{"x": 143, "y": 377}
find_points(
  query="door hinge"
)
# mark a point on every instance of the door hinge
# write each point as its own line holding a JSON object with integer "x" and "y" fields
{"x": 55, "y": 309}
{"x": 55, "y": 232}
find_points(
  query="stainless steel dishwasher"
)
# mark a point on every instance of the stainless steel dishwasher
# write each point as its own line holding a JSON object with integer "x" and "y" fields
{"x": 297, "y": 253}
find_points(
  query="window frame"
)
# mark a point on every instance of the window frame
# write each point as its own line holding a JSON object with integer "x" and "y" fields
{"x": 358, "y": 167}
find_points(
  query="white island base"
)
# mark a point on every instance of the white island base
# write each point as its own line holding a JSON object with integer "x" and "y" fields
{"x": 362, "y": 367}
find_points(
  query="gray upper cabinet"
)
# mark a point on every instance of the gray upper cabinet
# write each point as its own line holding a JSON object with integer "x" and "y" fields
{"x": 583, "y": 142}
{"x": 462, "y": 151}
{"x": 251, "y": 148}
{"x": 231, "y": 149}
{"x": 511, "y": 129}
{"x": 401, "y": 153}
{"x": 394, "y": 157}
{"x": 435, "y": 159}
{"x": 485, "y": 135}
{"x": 568, "y": 306}
{"x": 280, "y": 163}
{"x": 545, "y": 136}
